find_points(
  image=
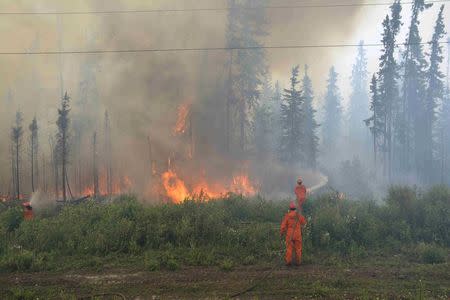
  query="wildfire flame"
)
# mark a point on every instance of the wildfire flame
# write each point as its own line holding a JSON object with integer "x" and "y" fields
{"x": 120, "y": 186}
{"x": 181, "y": 124}
{"x": 177, "y": 190}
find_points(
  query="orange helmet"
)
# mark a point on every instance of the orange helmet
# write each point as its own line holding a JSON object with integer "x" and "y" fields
{"x": 299, "y": 180}
{"x": 292, "y": 205}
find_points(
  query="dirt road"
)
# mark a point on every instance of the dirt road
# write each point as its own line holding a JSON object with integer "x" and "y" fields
{"x": 309, "y": 281}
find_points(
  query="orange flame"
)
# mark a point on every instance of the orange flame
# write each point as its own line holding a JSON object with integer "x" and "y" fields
{"x": 177, "y": 191}
{"x": 175, "y": 188}
{"x": 180, "y": 125}
{"x": 242, "y": 185}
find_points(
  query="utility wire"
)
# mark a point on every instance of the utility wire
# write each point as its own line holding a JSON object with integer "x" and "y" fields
{"x": 106, "y": 51}
{"x": 210, "y": 9}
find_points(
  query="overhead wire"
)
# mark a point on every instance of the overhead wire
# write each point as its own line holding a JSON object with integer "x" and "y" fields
{"x": 209, "y": 9}
{"x": 143, "y": 50}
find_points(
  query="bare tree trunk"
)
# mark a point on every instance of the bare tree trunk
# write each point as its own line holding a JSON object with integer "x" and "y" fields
{"x": 228, "y": 104}
{"x": 64, "y": 162}
{"x": 32, "y": 164}
{"x": 17, "y": 171}
{"x": 95, "y": 170}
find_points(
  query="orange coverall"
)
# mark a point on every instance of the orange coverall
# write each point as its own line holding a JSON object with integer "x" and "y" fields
{"x": 300, "y": 192}
{"x": 292, "y": 227}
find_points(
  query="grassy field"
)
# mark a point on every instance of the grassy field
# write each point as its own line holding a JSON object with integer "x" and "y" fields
{"x": 352, "y": 249}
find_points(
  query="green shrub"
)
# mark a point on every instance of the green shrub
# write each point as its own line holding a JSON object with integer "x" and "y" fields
{"x": 249, "y": 260}
{"x": 227, "y": 265}
{"x": 151, "y": 262}
{"x": 20, "y": 260}
{"x": 11, "y": 219}
{"x": 431, "y": 254}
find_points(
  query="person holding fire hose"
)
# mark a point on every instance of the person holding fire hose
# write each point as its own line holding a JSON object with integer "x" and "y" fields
{"x": 300, "y": 193}
{"x": 291, "y": 226}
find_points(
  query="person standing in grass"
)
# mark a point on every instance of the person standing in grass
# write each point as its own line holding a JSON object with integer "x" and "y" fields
{"x": 291, "y": 226}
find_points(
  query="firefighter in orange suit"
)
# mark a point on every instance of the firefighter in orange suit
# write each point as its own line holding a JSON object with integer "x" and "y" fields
{"x": 27, "y": 211}
{"x": 300, "y": 193}
{"x": 292, "y": 227}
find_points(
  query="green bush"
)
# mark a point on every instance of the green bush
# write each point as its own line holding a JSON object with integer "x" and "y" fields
{"x": 19, "y": 260}
{"x": 431, "y": 254}
{"x": 233, "y": 229}
{"x": 227, "y": 265}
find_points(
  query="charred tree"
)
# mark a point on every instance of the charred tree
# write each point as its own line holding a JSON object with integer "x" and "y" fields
{"x": 33, "y": 152}
{"x": 62, "y": 140}
{"x": 94, "y": 165}
{"x": 108, "y": 155}
{"x": 16, "y": 137}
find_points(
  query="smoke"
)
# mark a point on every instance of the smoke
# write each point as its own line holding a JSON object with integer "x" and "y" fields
{"x": 142, "y": 91}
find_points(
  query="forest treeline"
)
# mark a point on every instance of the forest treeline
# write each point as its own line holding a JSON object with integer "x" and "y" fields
{"x": 401, "y": 118}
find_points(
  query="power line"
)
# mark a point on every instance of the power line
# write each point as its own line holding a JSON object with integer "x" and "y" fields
{"x": 210, "y": 9}
{"x": 143, "y": 50}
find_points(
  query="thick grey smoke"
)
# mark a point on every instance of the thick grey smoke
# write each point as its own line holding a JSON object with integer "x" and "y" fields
{"x": 143, "y": 91}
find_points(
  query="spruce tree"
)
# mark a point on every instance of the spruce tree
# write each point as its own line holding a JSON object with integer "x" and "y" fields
{"x": 263, "y": 121}
{"x": 435, "y": 94}
{"x": 291, "y": 140}
{"x": 359, "y": 99}
{"x": 33, "y": 151}
{"x": 16, "y": 137}
{"x": 331, "y": 127}
{"x": 310, "y": 123}
{"x": 376, "y": 120}
{"x": 62, "y": 140}
{"x": 414, "y": 91}
{"x": 247, "y": 69}
{"x": 388, "y": 89}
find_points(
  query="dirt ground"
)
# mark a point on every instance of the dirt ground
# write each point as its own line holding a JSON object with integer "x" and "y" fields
{"x": 268, "y": 282}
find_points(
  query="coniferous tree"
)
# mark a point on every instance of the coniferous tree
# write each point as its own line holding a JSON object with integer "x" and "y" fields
{"x": 108, "y": 154}
{"x": 33, "y": 151}
{"x": 16, "y": 137}
{"x": 94, "y": 165}
{"x": 359, "y": 99}
{"x": 263, "y": 121}
{"x": 310, "y": 123}
{"x": 291, "y": 140}
{"x": 62, "y": 140}
{"x": 376, "y": 120}
{"x": 331, "y": 127}
{"x": 435, "y": 94}
{"x": 276, "y": 117}
{"x": 247, "y": 69}
{"x": 414, "y": 91}
{"x": 388, "y": 88}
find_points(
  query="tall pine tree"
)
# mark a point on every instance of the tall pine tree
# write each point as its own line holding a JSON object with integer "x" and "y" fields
{"x": 291, "y": 140}
{"x": 414, "y": 91}
{"x": 388, "y": 89}
{"x": 434, "y": 96}
{"x": 16, "y": 137}
{"x": 33, "y": 151}
{"x": 331, "y": 127}
{"x": 62, "y": 141}
{"x": 310, "y": 123}
{"x": 359, "y": 99}
{"x": 246, "y": 28}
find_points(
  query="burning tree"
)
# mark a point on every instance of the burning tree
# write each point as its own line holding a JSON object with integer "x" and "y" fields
{"x": 16, "y": 137}
{"x": 62, "y": 140}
